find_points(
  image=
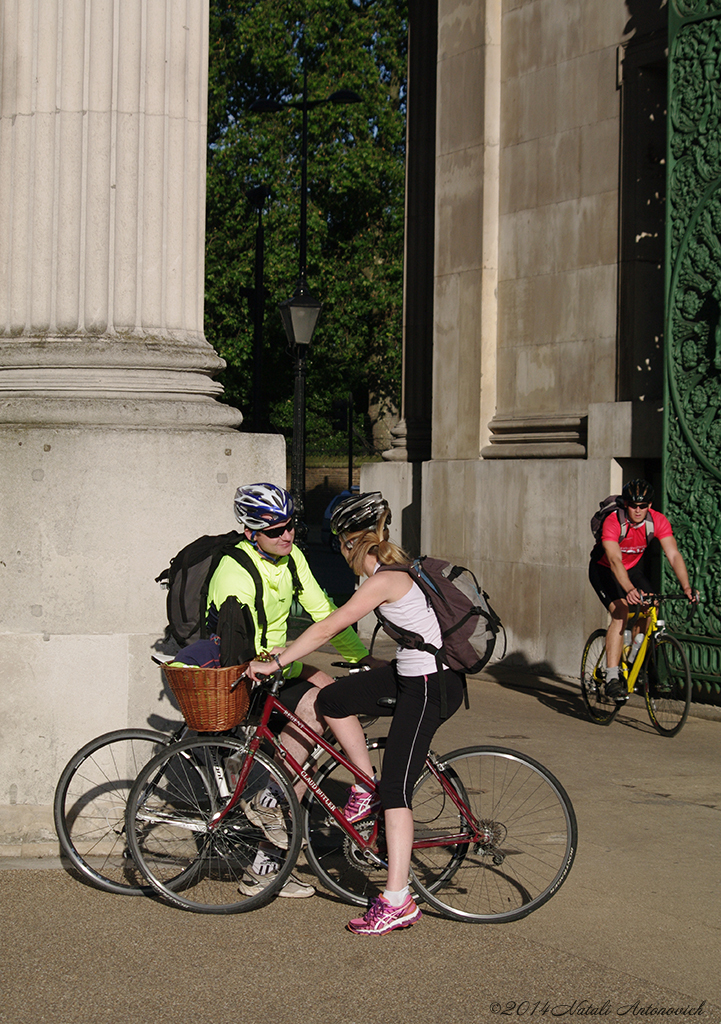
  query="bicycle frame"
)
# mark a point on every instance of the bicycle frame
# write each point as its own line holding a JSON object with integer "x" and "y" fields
{"x": 263, "y": 732}
{"x": 366, "y": 845}
{"x": 653, "y": 625}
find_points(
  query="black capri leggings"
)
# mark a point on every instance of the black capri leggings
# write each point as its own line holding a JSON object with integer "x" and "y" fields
{"x": 416, "y": 718}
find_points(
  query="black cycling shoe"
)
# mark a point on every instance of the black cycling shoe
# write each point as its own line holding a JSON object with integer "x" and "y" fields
{"x": 616, "y": 689}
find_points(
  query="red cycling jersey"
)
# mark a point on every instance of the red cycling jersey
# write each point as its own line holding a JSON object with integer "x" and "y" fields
{"x": 634, "y": 543}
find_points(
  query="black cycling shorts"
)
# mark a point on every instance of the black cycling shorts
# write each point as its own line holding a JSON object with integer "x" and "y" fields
{"x": 607, "y": 586}
{"x": 289, "y": 696}
{"x": 416, "y": 717}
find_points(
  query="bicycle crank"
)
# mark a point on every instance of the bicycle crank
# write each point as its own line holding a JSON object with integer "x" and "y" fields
{"x": 364, "y": 860}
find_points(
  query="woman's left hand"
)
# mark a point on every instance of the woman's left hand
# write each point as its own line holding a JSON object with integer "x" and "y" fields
{"x": 262, "y": 667}
{"x": 257, "y": 670}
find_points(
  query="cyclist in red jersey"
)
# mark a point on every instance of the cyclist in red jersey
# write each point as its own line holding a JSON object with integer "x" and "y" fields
{"x": 617, "y": 570}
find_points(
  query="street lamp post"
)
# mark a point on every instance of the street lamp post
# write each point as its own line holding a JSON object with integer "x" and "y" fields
{"x": 300, "y": 313}
{"x": 257, "y": 197}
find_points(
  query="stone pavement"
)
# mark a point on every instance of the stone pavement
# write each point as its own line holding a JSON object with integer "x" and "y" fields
{"x": 633, "y": 933}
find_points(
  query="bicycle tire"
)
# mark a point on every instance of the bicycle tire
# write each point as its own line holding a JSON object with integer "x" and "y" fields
{"x": 168, "y": 820}
{"x": 599, "y": 708}
{"x": 337, "y": 862}
{"x": 525, "y": 837}
{"x": 667, "y": 685}
{"x": 89, "y": 807}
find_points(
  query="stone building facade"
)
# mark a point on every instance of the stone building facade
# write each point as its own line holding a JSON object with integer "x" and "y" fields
{"x": 535, "y": 385}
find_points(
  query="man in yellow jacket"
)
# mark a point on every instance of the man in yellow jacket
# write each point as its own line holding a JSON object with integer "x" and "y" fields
{"x": 265, "y": 511}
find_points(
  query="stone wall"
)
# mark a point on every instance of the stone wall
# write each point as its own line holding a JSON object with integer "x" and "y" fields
{"x": 89, "y": 519}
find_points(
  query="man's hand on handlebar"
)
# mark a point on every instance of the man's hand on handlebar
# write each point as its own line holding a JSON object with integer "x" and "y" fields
{"x": 371, "y": 662}
{"x": 636, "y": 596}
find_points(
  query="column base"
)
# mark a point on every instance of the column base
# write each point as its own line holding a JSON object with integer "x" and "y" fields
{"x": 537, "y": 437}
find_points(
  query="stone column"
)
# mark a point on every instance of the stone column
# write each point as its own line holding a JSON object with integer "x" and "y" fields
{"x": 102, "y": 207}
{"x": 467, "y": 240}
{"x": 114, "y": 451}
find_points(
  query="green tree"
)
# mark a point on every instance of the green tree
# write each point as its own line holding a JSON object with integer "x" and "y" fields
{"x": 356, "y": 169}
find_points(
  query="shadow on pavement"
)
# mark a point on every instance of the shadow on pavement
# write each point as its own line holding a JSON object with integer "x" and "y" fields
{"x": 541, "y": 681}
{"x": 561, "y": 694}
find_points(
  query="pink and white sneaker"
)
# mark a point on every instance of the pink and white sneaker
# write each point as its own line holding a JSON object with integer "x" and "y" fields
{"x": 382, "y": 917}
{"x": 361, "y": 804}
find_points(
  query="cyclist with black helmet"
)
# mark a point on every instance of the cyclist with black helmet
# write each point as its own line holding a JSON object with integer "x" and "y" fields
{"x": 265, "y": 512}
{"x": 617, "y": 569}
{"x": 412, "y": 680}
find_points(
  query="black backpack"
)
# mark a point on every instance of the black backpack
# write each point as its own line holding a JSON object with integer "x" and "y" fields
{"x": 469, "y": 625}
{"x": 188, "y": 577}
{"x": 614, "y": 503}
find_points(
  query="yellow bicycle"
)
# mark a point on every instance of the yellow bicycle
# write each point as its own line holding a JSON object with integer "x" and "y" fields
{"x": 659, "y": 671}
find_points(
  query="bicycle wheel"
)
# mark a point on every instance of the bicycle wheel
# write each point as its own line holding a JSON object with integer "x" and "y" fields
{"x": 667, "y": 685}
{"x": 600, "y": 708}
{"x": 89, "y": 807}
{"x": 336, "y": 860}
{"x": 169, "y": 821}
{"x": 520, "y": 839}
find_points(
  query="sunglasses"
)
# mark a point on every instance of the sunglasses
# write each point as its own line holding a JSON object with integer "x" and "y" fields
{"x": 278, "y": 531}
{"x": 638, "y": 506}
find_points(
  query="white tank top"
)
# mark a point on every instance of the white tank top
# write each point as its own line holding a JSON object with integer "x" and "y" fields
{"x": 413, "y": 613}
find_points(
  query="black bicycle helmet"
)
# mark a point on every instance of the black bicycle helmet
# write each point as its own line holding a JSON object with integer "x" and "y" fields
{"x": 359, "y": 512}
{"x": 637, "y": 492}
{"x": 259, "y": 506}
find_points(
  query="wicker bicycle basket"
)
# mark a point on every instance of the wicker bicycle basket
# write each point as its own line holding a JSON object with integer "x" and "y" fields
{"x": 205, "y": 696}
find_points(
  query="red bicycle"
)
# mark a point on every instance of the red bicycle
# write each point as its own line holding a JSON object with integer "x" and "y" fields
{"x": 495, "y": 832}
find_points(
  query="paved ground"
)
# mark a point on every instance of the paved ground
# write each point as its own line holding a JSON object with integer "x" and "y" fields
{"x": 634, "y": 932}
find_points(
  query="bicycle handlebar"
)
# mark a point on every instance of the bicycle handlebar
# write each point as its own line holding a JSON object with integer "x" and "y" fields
{"x": 273, "y": 681}
{"x": 656, "y": 599}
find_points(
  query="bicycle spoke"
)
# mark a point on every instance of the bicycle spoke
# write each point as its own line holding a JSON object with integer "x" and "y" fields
{"x": 667, "y": 685}
{"x": 186, "y": 857}
{"x": 89, "y": 807}
{"x": 601, "y": 709}
{"x": 517, "y": 841}
{"x": 340, "y": 865}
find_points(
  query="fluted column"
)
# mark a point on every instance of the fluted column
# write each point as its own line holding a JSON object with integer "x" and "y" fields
{"x": 102, "y": 208}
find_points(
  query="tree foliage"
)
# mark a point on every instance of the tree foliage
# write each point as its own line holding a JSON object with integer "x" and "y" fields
{"x": 356, "y": 169}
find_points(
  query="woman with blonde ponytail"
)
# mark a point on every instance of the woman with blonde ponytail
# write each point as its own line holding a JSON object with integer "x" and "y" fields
{"x": 361, "y": 523}
{"x": 372, "y": 541}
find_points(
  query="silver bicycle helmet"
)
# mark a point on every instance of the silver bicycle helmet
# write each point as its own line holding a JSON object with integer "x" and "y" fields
{"x": 359, "y": 512}
{"x": 259, "y": 506}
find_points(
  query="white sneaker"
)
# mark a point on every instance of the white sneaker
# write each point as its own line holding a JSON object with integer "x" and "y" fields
{"x": 293, "y": 887}
{"x": 269, "y": 819}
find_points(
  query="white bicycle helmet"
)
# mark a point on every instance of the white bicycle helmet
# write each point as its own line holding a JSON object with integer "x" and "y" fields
{"x": 259, "y": 506}
{"x": 359, "y": 512}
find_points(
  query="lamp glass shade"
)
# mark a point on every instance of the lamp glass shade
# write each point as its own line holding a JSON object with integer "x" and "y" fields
{"x": 300, "y": 317}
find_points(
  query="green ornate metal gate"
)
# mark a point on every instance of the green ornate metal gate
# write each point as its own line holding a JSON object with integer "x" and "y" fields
{"x": 692, "y": 443}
